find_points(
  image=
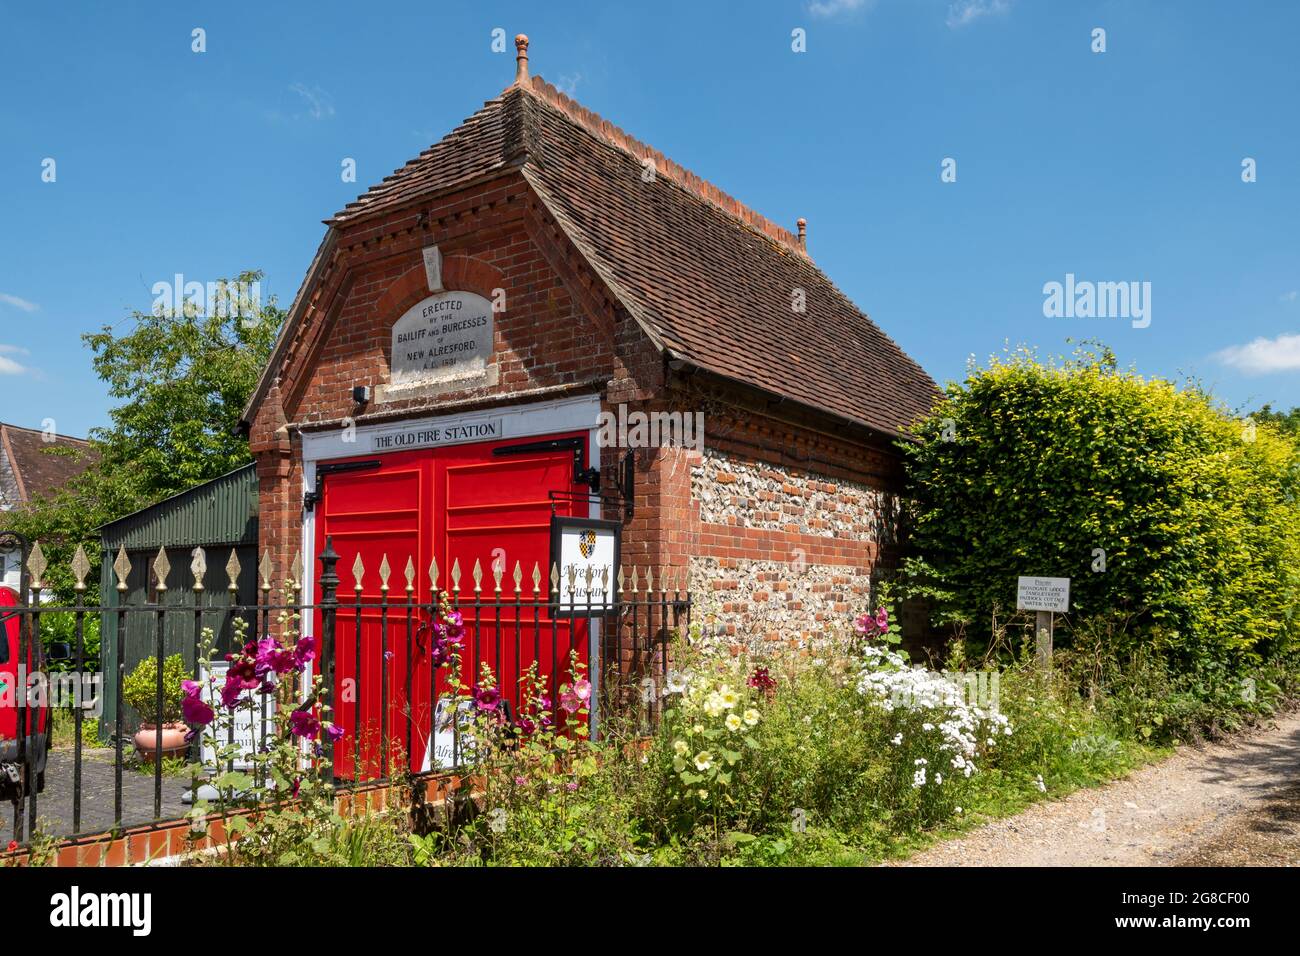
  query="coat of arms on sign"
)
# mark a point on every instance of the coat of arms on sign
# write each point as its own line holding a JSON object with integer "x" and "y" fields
{"x": 587, "y": 543}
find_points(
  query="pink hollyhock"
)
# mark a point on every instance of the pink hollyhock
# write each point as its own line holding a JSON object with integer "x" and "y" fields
{"x": 333, "y": 733}
{"x": 487, "y": 698}
{"x": 194, "y": 709}
{"x": 582, "y": 688}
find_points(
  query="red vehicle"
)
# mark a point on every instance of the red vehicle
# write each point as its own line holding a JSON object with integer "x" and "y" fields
{"x": 11, "y": 686}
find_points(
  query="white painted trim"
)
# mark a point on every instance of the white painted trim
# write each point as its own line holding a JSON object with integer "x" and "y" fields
{"x": 517, "y": 421}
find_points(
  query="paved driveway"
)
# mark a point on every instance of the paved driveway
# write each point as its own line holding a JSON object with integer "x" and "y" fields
{"x": 54, "y": 805}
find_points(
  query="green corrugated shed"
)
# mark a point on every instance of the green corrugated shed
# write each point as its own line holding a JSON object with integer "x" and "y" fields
{"x": 218, "y": 515}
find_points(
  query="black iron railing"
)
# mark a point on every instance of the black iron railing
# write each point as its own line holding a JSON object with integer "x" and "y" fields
{"x": 382, "y": 676}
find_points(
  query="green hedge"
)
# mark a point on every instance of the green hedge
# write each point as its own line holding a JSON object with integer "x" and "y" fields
{"x": 1028, "y": 468}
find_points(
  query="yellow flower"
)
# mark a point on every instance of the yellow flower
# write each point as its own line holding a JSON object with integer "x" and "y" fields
{"x": 703, "y": 760}
{"x": 681, "y": 748}
{"x": 751, "y": 716}
{"x": 733, "y": 722}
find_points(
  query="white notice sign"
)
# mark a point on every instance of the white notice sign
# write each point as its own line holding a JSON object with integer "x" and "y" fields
{"x": 1043, "y": 594}
{"x": 444, "y": 338}
{"x": 247, "y": 721}
{"x": 444, "y": 751}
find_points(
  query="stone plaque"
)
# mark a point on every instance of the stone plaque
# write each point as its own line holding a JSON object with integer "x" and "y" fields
{"x": 445, "y": 338}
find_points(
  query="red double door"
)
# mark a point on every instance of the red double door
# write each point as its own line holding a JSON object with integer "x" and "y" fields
{"x": 461, "y": 503}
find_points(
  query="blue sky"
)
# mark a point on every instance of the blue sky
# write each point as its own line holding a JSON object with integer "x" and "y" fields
{"x": 1117, "y": 166}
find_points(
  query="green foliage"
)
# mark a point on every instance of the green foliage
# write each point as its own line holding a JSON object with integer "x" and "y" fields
{"x": 140, "y": 688}
{"x": 181, "y": 383}
{"x": 1032, "y": 468}
{"x": 60, "y": 627}
{"x": 63, "y": 729}
{"x": 1285, "y": 421}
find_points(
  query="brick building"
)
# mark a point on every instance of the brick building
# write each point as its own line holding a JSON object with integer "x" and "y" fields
{"x": 539, "y": 267}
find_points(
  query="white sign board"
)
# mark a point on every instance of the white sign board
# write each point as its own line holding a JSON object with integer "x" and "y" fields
{"x": 247, "y": 721}
{"x": 1043, "y": 594}
{"x": 428, "y": 436}
{"x": 585, "y": 549}
{"x": 444, "y": 338}
{"x": 441, "y": 751}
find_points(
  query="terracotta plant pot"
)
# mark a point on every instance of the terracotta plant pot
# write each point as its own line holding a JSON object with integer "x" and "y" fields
{"x": 173, "y": 741}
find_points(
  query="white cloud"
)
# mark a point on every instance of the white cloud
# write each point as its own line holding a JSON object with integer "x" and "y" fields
{"x": 968, "y": 11}
{"x": 1289, "y": 296}
{"x": 7, "y": 365}
{"x": 833, "y": 8}
{"x": 1263, "y": 356}
{"x": 568, "y": 83}
{"x": 319, "y": 105}
{"x": 18, "y": 303}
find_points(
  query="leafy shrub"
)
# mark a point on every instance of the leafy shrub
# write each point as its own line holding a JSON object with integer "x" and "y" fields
{"x": 1030, "y": 468}
{"x": 140, "y": 688}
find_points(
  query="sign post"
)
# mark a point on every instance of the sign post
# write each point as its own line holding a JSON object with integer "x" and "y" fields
{"x": 1047, "y": 597}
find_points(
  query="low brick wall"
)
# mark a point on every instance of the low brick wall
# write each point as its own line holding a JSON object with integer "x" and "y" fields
{"x": 150, "y": 844}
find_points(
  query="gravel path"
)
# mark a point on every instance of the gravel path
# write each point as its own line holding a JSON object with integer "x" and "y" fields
{"x": 1235, "y": 803}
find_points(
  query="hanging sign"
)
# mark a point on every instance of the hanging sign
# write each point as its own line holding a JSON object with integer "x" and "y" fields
{"x": 579, "y": 547}
{"x": 1043, "y": 594}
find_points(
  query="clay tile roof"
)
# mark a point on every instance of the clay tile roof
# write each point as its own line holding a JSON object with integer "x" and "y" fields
{"x": 42, "y": 466}
{"x": 711, "y": 280}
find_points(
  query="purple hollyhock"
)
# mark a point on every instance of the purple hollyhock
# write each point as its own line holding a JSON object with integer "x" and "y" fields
{"x": 304, "y": 651}
{"x": 455, "y": 625}
{"x": 302, "y": 723}
{"x": 333, "y": 733}
{"x": 271, "y": 658}
{"x": 487, "y": 698}
{"x": 231, "y": 690}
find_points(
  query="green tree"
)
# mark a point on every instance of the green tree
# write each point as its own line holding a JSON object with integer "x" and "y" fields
{"x": 1286, "y": 421}
{"x": 181, "y": 381}
{"x": 1155, "y": 502}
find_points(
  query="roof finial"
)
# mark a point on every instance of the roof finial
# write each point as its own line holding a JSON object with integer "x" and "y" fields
{"x": 521, "y": 59}
{"x": 803, "y": 233}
